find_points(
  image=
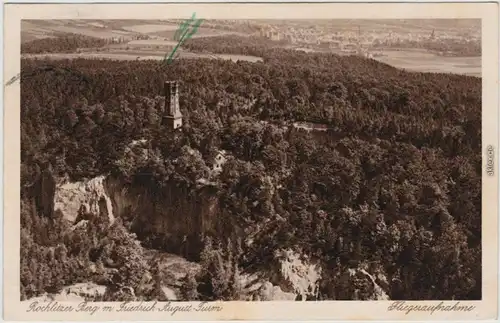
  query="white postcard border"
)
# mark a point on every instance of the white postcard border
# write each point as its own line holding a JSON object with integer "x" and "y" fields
{"x": 339, "y": 310}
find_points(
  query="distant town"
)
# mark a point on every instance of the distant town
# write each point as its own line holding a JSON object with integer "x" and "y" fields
{"x": 446, "y": 45}
{"x": 367, "y": 38}
{"x": 362, "y": 41}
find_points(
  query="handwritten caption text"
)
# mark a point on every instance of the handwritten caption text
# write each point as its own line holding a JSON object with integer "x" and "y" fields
{"x": 401, "y": 306}
{"x": 92, "y": 308}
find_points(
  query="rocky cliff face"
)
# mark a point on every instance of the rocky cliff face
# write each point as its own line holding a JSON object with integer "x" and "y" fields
{"x": 178, "y": 218}
{"x": 295, "y": 278}
{"x": 181, "y": 219}
{"x": 42, "y": 191}
{"x": 78, "y": 198}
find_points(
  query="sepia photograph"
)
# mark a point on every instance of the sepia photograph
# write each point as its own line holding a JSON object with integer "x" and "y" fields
{"x": 257, "y": 160}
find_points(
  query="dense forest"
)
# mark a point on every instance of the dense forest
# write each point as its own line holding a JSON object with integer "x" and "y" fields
{"x": 62, "y": 43}
{"x": 233, "y": 44}
{"x": 395, "y": 181}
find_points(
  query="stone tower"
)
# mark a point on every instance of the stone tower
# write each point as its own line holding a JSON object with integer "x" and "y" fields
{"x": 172, "y": 117}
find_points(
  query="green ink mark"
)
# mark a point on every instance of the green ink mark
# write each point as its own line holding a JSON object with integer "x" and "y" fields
{"x": 186, "y": 30}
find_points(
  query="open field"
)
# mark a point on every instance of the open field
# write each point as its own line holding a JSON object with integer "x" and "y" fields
{"x": 428, "y": 62}
{"x": 413, "y": 26}
{"x": 419, "y": 60}
{"x": 161, "y": 33}
{"x": 31, "y": 29}
{"x": 131, "y": 55}
{"x": 201, "y": 32}
{"x": 168, "y": 30}
{"x": 152, "y": 42}
{"x": 147, "y": 29}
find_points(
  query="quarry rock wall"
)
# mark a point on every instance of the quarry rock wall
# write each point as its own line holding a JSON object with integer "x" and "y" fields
{"x": 178, "y": 219}
{"x": 181, "y": 218}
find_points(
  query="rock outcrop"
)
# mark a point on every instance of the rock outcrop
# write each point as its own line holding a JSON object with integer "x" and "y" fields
{"x": 178, "y": 219}
{"x": 43, "y": 190}
{"x": 294, "y": 278}
{"x": 87, "y": 197}
{"x": 182, "y": 219}
{"x": 300, "y": 275}
{"x": 74, "y": 293}
{"x": 270, "y": 292}
{"x": 371, "y": 284}
{"x": 178, "y": 216}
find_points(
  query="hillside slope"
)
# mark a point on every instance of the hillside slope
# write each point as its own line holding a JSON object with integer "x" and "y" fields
{"x": 392, "y": 188}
